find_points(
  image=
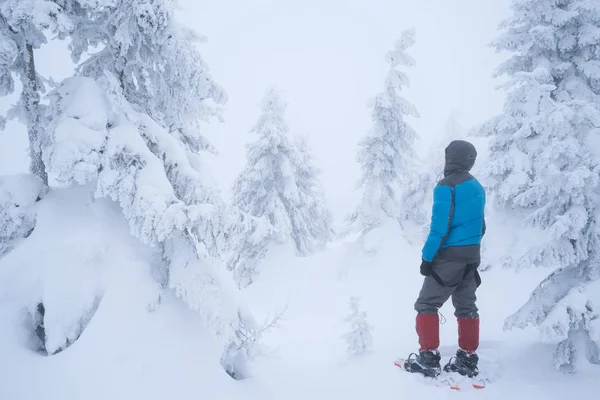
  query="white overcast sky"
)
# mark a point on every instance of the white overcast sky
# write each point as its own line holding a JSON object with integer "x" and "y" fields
{"x": 327, "y": 58}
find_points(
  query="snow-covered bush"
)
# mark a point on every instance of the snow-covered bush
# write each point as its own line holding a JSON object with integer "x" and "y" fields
{"x": 279, "y": 184}
{"x": 544, "y": 164}
{"x": 98, "y": 139}
{"x": 248, "y": 345}
{"x": 386, "y": 154}
{"x": 358, "y": 339}
{"x": 18, "y": 195}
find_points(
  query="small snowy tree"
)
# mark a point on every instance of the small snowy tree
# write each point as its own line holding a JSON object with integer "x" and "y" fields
{"x": 22, "y": 30}
{"x": 359, "y": 339}
{"x": 278, "y": 184}
{"x": 544, "y": 164}
{"x": 313, "y": 196}
{"x": 386, "y": 155}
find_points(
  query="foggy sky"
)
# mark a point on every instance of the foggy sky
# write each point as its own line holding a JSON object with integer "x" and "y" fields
{"x": 327, "y": 58}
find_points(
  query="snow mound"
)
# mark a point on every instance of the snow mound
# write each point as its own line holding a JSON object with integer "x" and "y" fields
{"x": 127, "y": 337}
{"x": 69, "y": 260}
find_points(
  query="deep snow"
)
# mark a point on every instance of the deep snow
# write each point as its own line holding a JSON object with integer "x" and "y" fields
{"x": 138, "y": 347}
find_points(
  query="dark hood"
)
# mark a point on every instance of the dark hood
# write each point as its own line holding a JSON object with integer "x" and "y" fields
{"x": 460, "y": 156}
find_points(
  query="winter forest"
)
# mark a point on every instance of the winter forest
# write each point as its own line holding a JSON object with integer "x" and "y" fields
{"x": 242, "y": 214}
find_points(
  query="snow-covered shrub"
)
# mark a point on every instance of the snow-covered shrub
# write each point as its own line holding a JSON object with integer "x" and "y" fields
{"x": 358, "y": 339}
{"x": 248, "y": 346}
{"x": 18, "y": 195}
{"x": 544, "y": 164}
{"x": 386, "y": 154}
{"x": 97, "y": 138}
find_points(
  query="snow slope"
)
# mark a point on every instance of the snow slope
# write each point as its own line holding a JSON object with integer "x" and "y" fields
{"x": 313, "y": 361}
{"x": 135, "y": 347}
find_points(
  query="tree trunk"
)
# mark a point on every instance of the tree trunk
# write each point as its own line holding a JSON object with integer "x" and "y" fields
{"x": 31, "y": 100}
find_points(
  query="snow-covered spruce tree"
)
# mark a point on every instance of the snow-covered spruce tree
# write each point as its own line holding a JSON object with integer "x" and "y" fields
{"x": 98, "y": 139}
{"x": 129, "y": 127}
{"x": 544, "y": 164}
{"x": 386, "y": 154}
{"x": 359, "y": 340}
{"x": 23, "y": 24}
{"x": 278, "y": 184}
{"x": 155, "y": 62}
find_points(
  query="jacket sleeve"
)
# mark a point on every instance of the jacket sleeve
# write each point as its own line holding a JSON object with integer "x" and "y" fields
{"x": 440, "y": 221}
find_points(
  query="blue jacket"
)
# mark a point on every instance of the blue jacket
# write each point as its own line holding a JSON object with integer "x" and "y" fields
{"x": 458, "y": 220}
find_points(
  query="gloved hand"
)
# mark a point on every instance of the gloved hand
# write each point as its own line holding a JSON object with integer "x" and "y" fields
{"x": 425, "y": 268}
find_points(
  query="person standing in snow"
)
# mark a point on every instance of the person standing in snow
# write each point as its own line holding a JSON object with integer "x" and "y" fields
{"x": 450, "y": 258}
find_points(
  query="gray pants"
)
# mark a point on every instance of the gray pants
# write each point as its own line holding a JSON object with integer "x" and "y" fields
{"x": 462, "y": 288}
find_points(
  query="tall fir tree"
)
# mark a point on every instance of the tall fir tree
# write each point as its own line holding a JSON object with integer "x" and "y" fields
{"x": 544, "y": 164}
{"x": 279, "y": 184}
{"x": 128, "y": 125}
{"x": 386, "y": 154}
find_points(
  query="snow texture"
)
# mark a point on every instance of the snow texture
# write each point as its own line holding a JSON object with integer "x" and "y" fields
{"x": 386, "y": 154}
{"x": 542, "y": 167}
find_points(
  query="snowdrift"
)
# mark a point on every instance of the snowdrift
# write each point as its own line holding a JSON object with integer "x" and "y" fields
{"x": 127, "y": 337}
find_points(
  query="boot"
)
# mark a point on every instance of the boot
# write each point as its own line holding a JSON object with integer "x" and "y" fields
{"x": 464, "y": 363}
{"x": 427, "y": 362}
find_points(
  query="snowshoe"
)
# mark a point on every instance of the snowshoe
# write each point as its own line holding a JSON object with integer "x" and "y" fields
{"x": 465, "y": 364}
{"x": 426, "y": 363}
